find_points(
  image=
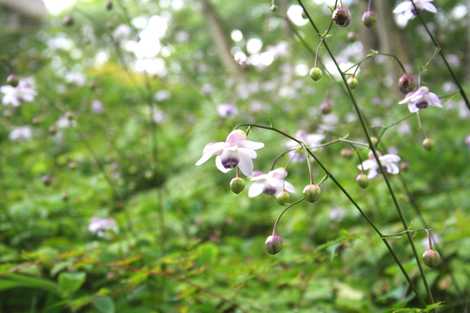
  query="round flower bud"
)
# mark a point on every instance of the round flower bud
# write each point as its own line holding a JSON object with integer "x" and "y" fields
{"x": 46, "y": 180}
{"x": 347, "y": 153}
{"x": 369, "y": 18}
{"x": 68, "y": 21}
{"x": 65, "y": 197}
{"x": 326, "y": 106}
{"x": 273, "y": 244}
{"x": 109, "y": 5}
{"x": 283, "y": 198}
{"x": 312, "y": 192}
{"x": 407, "y": 83}
{"x": 237, "y": 184}
{"x": 12, "y": 80}
{"x": 404, "y": 166}
{"x": 362, "y": 180}
{"x": 316, "y": 73}
{"x": 374, "y": 140}
{"x": 341, "y": 16}
{"x": 431, "y": 258}
{"x": 428, "y": 143}
{"x": 273, "y": 7}
{"x": 352, "y": 82}
{"x": 351, "y": 36}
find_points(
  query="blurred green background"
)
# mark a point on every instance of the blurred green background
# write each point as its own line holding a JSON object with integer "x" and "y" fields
{"x": 102, "y": 208}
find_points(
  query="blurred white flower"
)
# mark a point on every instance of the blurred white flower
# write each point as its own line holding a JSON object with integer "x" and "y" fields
{"x": 21, "y": 133}
{"x": 236, "y": 151}
{"x": 122, "y": 32}
{"x": 337, "y": 214}
{"x": 435, "y": 239}
{"x": 162, "y": 95}
{"x": 295, "y": 14}
{"x": 158, "y": 116}
{"x": 25, "y": 91}
{"x": 65, "y": 121}
{"x": 100, "y": 226}
{"x": 97, "y": 106}
{"x": 405, "y": 11}
{"x": 421, "y": 99}
{"x": 467, "y": 141}
{"x": 311, "y": 140}
{"x": 227, "y": 110}
{"x": 389, "y": 163}
{"x": 271, "y": 183}
{"x": 75, "y": 78}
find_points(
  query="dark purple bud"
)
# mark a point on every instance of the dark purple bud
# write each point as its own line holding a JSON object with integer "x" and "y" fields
{"x": 341, "y": 16}
{"x": 369, "y": 18}
{"x": 407, "y": 83}
{"x": 326, "y": 107}
{"x": 273, "y": 244}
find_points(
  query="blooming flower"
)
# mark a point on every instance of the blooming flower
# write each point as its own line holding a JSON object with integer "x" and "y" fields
{"x": 405, "y": 11}
{"x": 24, "y": 92}
{"x": 66, "y": 121}
{"x": 337, "y": 214}
{"x": 100, "y": 226}
{"x": 236, "y": 151}
{"x": 97, "y": 106}
{"x": 311, "y": 140}
{"x": 389, "y": 163}
{"x": 227, "y": 110}
{"x": 271, "y": 183}
{"x": 421, "y": 99}
{"x": 21, "y": 133}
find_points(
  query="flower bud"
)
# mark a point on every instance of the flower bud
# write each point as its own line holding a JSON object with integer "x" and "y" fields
{"x": 312, "y": 192}
{"x": 316, "y": 73}
{"x": 12, "y": 80}
{"x": 46, "y": 180}
{"x": 273, "y": 7}
{"x": 404, "y": 166}
{"x": 407, "y": 83}
{"x": 374, "y": 140}
{"x": 326, "y": 106}
{"x": 369, "y": 18}
{"x": 109, "y": 5}
{"x": 352, "y": 82}
{"x": 351, "y": 36}
{"x": 362, "y": 180}
{"x": 347, "y": 153}
{"x": 68, "y": 21}
{"x": 273, "y": 244}
{"x": 431, "y": 258}
{"x": 283, "y": 198}
{"x": 341, "y": 16}
{"x": 237, "y": 184}
{"x": 428, "y": 143}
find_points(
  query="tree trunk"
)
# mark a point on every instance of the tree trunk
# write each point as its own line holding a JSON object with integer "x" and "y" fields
{"x": 220, "y": 39}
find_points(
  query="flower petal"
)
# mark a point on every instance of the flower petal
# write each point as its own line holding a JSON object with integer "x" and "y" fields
{"x": 209, "y": 150}
{"x": 255, "y": 190}
{"x": 236, "y": 137}
{"x": 245, "y": 164}
{"x": 289, "y": 187}
{"x": 253, "y": 145}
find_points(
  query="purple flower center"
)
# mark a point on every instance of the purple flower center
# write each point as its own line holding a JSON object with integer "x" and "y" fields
{"x": 422, "y": 105}
{"x": 269, "y": 190}
{"x": 230, "y": 162}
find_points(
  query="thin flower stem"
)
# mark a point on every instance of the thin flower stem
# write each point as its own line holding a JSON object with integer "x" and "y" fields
{"x": 279, "y": 157}
{"x": 438, "y": 45}
{"x": 375, "y": 153}
{"x": 307, "y": 159}
{"x": 278, "y": 219}
{"x": 372, "y": 54}
{"x": 350, "y": 198}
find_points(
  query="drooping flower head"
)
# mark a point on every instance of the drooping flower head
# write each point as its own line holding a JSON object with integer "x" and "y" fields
{"x": 235, "y": 151}
{"x": 272, "y": 183}
{"x": 311, "y": 140}
{"x": 405, "y": 11}
{"x": 421, "y": 99}
{"x": 389, "y": 163}
{"x": 25, "y": 91}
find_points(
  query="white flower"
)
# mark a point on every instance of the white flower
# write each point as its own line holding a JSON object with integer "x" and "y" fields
{"x": 236, "y": 151}
{"x": 311, "y": 140}
{"x": 227, "y": 110}
{"x": 99, "y": 226}
{"x": 389, "y": 163}
{"x": 66, "y": 121}
{"x": 467, "y": 141}
{"x": 272, "y": 183}
{"x": 421, "y": 99}
{"x": 158, "y": 116}
{"x": 337, "y": 214}
{"x": 97, "y": 106}
{"x": 75, "y": 78}
{"x": 405, "y": 11}
{"x": 24, "y": 92}
{"x": 21, "y": 133}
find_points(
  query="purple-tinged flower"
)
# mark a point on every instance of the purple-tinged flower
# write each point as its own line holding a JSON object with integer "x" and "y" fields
{"x": 21, "y": 133}
{"x": 97, "y": 106}
{"x": 405, "y": 11}
{"x": 421, "y": 99}
{"x": 66, "y": 121}
{"x": 75, "y": 78}
{"x": 25, "y": 91}
{"x": 227, "y": 110}
{"x": 158, "y": 116}
{"x": 337, "y": 214}
{"x": 467, "y": 141}
{"x": 435, "y": 239}
{"x": 311, "y": 140}
{"x": 389, "y": 163}
{"x": 100, "y": 226}
{"x": 272, "y": 183}
{"x": 235, "y": 151}
{"x": 162, "y": 95}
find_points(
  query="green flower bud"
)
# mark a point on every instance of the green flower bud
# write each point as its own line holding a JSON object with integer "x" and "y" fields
{"x": 273, "y": 244}
{"x": 12, "y": 80}
{"x": 428, "y": 143}
{"x": 374, "y": 140}
{"x": 68, "y": 21}
{"x": 362, "y": 180}
{"x": 353, "y": 82}
{"x": 431, "y": 258}
{"x": 237, "y": 184}
{"x": 109, "y": 5}
{"x": 273, "y": 7}
{"x": 347, "y": 153}
{"x": 283, "y": 198}
{"x": 312, "y": 192}
{"x": 369, "y": 18}
{"x": 316, "y": 73}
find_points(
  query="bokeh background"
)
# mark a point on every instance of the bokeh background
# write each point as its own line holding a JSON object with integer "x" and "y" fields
{"x": 102, "y": 208}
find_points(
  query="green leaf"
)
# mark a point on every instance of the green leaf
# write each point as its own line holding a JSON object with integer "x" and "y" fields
{"x": 10, "y": 281}
{"x": 71, "y": 282}
{"x": 104, "y": 304}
